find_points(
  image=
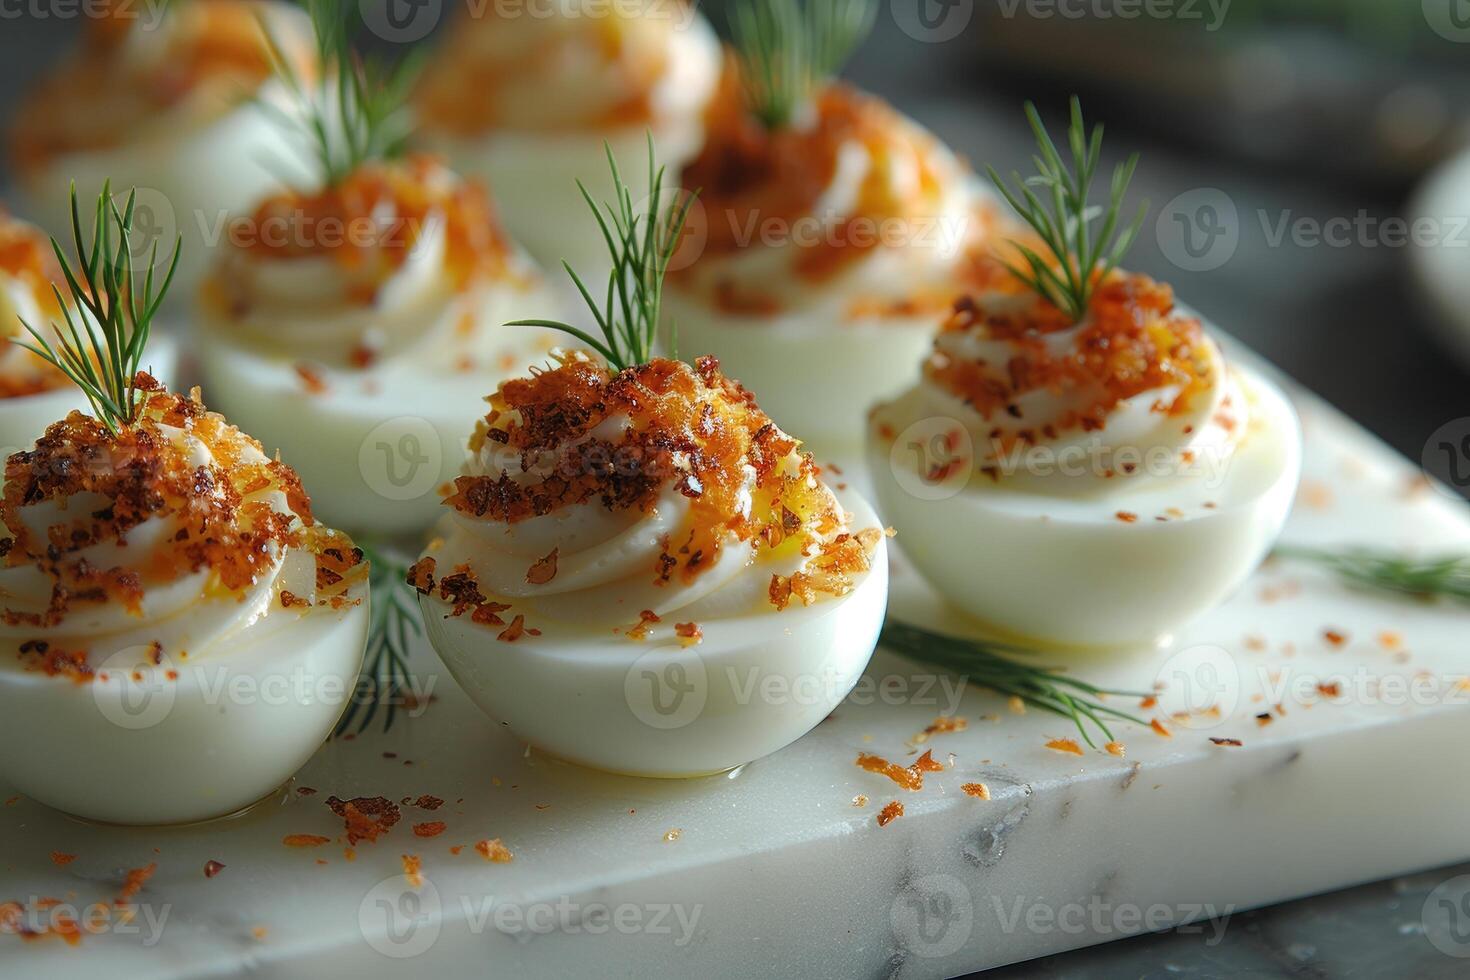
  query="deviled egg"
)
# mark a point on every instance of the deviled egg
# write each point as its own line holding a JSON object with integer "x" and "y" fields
{"x": 34, "y": 393}
{"x": 822, "y": 253}
{"x": 356, "y": 329}
{"x": 370, "y": 301}
{"x": 533, "y": 97}
{"x": 1079, "y": 464}
{"x": 639, "y": 570}
{"x": 173, "y": 99}
{"x": 1092, "y": 483}
{"x": 174, "y": 624}
{"x": 634, "y": 560}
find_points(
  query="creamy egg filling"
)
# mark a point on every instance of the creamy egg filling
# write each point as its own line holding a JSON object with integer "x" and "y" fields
{"x": 600, "y": 560}
{"x": 223, "y": 539}
{"x": 609, "y": 69}
{"x": 412, "y": 282}
{"x": 871, "y": 220}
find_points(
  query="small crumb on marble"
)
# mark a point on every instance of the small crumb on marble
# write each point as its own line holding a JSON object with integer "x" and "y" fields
{"x": 61, "y": 859}
{"x": 860, "y": 800}
{"x": 1116, "y": 748}
{"x": 413, "y": 871}
{"x": 432, "y": 828}
{"x": 978, "y": 790}
{"x": 494, "y": 851}
{"x": 1065, "y": 745}
{"x": 891, "y": 811}
{"x": 212, "y": 868}
{"x": 673, "y": 834}
{"x": 1228, "y": 742}
{"x": 1017, "y": 706}
{"x": 941, "y": 726}
{"x": 305, "y": 840}
{"x": 1159, "y": 729}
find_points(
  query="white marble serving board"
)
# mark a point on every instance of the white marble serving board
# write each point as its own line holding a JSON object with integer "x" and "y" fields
{"x": 775, "y": 871}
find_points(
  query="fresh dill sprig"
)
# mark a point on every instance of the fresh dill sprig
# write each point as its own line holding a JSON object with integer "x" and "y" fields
{"x": 641, "y": 244}
{"x": 357, "y": 113}
{"x": 1054, "y": 202}
{"x": 1446, "y": 576}
{"x": 115, "y": 305}
{"x": 980, "y": 664}
{"x": 393, "y": 625}
{"x": 789, "y": 48}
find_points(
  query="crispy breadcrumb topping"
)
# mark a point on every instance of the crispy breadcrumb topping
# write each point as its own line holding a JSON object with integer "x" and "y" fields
{"x": 688, "y": 427}
{"x": 1133, "y": 341}
{"x": 371, "y": 222}
{"x": 178, "y": 462}
{"x": 748, "y": 175}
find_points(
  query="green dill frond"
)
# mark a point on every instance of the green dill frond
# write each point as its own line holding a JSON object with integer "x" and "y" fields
{"x": 394, "y": 623}
{"x": 358, "y": 112}
{"x": 641, "y": 242}
{"x": 1445, "y": 576}
{"x": 109, "y": 313}
{"x": 789, "y": 48}
{"x": 983, "y": 665}
{"x": 1054, "y": 202}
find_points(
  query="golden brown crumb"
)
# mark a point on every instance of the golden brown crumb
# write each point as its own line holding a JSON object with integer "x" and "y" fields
{"x": 366, "y": 818}
{"x": 413, "y": 871}
{"x": 1067, "y": 745}
{"x": 544, "y": 570}
{"x": 493, "y": 850}
{"x": 891, "y": 811}
{"x": 305, "y": 840}
{"x": 909, "y": 777}
{"x": 977, "y": 790}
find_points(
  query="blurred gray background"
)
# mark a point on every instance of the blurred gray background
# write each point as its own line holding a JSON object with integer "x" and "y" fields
{"x": 1292, "y": 110}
